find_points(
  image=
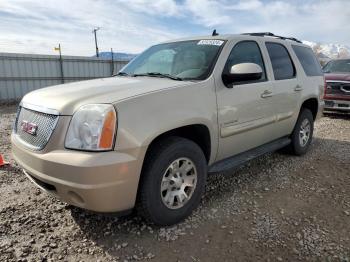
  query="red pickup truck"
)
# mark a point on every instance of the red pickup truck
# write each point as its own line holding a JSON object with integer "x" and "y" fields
{"x": 337, "y": 92}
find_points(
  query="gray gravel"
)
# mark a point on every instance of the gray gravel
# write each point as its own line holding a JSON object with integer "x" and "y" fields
{"x": 275, "y": 208}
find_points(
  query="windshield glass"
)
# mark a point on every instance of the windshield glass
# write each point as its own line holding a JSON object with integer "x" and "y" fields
{"x": 192, "y": 60}
{"x": 337, "y": 66}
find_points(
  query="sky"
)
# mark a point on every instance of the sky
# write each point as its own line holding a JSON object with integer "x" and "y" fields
{"x": 36, "y": 26}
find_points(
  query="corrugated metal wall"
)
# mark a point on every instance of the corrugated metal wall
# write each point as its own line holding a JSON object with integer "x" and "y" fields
{"x": 22, "y": 73}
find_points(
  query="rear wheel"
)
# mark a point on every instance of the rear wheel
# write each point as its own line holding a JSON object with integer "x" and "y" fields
{"x": 302, "y": 133}
{"x": 173, "y": 181}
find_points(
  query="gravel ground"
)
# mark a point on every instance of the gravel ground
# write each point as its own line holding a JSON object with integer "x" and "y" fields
{"x": 275, "y": 208}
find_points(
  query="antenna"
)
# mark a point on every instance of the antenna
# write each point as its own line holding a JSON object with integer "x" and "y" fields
{"x": 214, "y": 33}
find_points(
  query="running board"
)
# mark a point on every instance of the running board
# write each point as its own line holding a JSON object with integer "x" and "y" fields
{"x": 238, "y": 160}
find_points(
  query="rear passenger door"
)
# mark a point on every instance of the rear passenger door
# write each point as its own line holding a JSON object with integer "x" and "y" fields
{"x": 287, "y": 88}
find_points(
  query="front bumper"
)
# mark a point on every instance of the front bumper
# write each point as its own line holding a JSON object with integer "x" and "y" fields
{"x": 337, "y": 105}
{"x": 102, "y": 182}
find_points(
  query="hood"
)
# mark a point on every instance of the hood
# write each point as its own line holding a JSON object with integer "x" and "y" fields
{"x": 338, "y": 77}
{"x": 67, "y": 98}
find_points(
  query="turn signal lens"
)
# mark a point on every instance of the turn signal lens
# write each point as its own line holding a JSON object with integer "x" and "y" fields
{"x": 108, "y": 130}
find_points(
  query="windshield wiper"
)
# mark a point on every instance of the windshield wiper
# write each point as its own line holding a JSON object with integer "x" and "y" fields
{"x": 121, "y": 74}
{"x": 156, "y": 74}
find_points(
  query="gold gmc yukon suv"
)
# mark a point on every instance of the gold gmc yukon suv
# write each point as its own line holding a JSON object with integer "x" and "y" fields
{"x": 147, "y": 137}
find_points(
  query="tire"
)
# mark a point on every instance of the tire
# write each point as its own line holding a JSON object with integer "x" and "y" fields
{"x": 299, "y": 146}
{"x": 159, "y": 207}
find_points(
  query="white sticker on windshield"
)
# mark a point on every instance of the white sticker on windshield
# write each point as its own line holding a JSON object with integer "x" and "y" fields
{"x": 210, "y": 42}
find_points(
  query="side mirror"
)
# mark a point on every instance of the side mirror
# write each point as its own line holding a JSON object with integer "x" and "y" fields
{"x": 243, "y": 72}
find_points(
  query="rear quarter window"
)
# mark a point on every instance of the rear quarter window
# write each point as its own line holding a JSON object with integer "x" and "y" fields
{"x": 308, "y": 60}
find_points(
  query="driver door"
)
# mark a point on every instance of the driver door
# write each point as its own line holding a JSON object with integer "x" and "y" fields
{"x": 245, "y": 111}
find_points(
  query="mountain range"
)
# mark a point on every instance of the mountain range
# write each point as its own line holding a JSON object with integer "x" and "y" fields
{"x": 117, "y": 56}
{"x": 329, "y": 51}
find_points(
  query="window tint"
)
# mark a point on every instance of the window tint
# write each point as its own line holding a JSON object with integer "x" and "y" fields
{"x": 282, "y": 65}
{"x": 308, "y": 60}
{"x": 246, "y": 52}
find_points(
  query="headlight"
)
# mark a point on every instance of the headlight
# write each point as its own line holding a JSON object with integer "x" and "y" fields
{"x": 92, "y": 128}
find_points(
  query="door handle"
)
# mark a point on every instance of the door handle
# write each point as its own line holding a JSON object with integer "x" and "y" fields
{"x": 298, "y": 88}
{"x": 266, "y": 94}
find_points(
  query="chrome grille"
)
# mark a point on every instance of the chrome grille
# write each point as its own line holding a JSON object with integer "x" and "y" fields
{"x": 45, "y": 123}
{"x": 338, "y": 88}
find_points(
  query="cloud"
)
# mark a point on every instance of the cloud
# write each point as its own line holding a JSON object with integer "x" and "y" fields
{"x": 247, "y": 5}
{"x": 71, "y": 22}
{"x": 319, "y": 20}
{"x": 133, "y": 25}
{"x": 206, "y": 12}
{"x": 315, "y": 20}
{"x": 159, "y": 7}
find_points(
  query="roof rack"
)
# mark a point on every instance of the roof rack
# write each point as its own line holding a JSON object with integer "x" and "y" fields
{"x": 273, "y": 35}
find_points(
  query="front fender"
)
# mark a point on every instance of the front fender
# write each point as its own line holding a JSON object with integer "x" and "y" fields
{"x": 141, "y": 119}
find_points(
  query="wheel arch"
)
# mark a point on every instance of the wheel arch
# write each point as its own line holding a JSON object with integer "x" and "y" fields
{"x": 312, "y": 105}
{"x": 198, "y": 133}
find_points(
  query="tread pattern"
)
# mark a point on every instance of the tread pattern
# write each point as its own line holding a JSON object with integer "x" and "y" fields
{"x": 294, "y": 147}
{"x": 153, "y": 154}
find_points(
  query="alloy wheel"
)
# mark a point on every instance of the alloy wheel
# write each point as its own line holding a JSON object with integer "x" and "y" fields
{"x": 178, "y": 183}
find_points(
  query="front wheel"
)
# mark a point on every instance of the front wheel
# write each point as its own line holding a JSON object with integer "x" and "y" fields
{"x": 173, "y": 181}
{"x": 302, "y": 133}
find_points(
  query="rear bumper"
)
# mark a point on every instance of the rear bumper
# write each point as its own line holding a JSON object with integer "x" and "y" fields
{"x": 337, "y": 105}
{"x": 102, "y": 182}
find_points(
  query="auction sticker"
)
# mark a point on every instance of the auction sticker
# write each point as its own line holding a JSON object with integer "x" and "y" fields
{"x": 210, "y": 42}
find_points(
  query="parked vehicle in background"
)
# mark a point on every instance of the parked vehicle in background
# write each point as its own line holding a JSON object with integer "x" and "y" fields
{"x": 337, "y": 92}
{"x": 149, "y": 136}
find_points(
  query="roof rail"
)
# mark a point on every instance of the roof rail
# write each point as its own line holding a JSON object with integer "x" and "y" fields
{"x": 273, "y": 35}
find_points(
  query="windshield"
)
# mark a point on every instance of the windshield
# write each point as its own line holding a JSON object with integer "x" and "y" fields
{"x": 337, "y": 66}
{"x": 192, "y": 60}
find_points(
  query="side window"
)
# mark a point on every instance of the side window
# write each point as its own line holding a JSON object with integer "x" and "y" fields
{"x": 246, "y": 52}
{"x": 308, "y": 60}
{"x": 282, "y": 64}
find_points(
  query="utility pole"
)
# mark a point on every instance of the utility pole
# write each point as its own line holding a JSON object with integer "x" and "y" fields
{"x": 112, "y": 62}
{"x": 61, "y": 62}
{"x": 94, "y": 32}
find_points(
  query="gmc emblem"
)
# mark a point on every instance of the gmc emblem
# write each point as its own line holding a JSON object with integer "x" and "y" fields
{"x": 29, "y": 128}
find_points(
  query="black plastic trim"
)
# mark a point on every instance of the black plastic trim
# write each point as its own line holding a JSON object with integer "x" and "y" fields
{"x": 262, "y": 34}
{"x": 242, "y": 158}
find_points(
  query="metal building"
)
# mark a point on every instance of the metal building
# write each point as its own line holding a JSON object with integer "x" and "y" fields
{"x": 22, "y": 73}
